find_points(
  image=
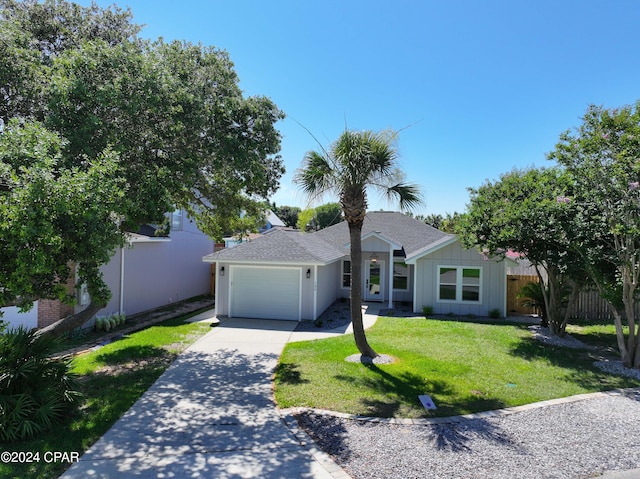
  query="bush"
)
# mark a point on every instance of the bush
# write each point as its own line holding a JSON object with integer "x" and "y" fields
{"x": 110, "y": 322}
{"x": 495, "y": 314}
{"x": 427, "y": 310}
{"x": 35, "y": 390}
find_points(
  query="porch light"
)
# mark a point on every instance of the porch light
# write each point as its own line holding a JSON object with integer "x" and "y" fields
{"x": 221, "y": 270}
{"x": 308, "y": 273}
{"x": 373, "y": 258}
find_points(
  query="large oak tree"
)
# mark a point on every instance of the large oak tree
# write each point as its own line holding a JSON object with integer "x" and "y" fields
{"x": 164, "y": 125}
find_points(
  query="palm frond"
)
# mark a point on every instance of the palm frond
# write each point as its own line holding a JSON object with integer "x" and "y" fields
{"x": 356, "y": 161}
{"x": 316, "y": 176}
{"x": 407, "y": 194}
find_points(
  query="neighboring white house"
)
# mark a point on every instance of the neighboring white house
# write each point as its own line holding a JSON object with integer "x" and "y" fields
{"x": 296, "y": 276}
{"x": 149, "y": 272}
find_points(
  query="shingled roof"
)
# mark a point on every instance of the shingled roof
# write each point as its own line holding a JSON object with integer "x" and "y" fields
{"x": 332, "y": 243}
{"x": 412, "y": 234}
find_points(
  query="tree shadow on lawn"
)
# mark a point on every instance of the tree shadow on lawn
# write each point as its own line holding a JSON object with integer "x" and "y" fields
{"x": 577, "y": 362}
{"x": 402, "y": 391}
{"x": 288, "y": 373}
{"x": 132, "y": 353}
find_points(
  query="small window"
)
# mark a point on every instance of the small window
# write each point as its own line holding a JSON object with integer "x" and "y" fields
{"x": 448, "y": 279}
{"x": 176, "y": 220}
{"x": 460, "y": 285}
{"x": 346, "y": 274}
{"x": 400, "y": 276}
{"x": 471, "y": 284}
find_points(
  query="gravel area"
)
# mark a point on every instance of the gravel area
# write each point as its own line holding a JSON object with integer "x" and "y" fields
{"x": 575, "y": 440}
{"x": 567, "y": 441}
{"x": 543, "y": 334}
{"x": 359, "y": 358}
{"x": 336, "y": 316}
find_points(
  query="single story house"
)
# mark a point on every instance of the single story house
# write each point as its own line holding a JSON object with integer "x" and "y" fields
{"x": 296, "y": 276}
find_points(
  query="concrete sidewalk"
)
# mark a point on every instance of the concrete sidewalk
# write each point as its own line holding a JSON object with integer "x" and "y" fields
{"x": 211, "y": 414}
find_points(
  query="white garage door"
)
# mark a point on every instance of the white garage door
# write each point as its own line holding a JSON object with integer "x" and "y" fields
{"x": 266, "y": 293}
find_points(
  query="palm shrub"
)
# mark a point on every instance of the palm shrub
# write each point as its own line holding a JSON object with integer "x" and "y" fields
{"x": 533, "y": 297}
{"x": 36, "y": 390}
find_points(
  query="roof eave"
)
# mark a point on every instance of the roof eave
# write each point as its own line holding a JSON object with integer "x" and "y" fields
{"x": 211, "y": 258}
{"x": 412, "y": 259}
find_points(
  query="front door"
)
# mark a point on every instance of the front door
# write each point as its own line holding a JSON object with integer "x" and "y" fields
{"x": 374, "y": 281}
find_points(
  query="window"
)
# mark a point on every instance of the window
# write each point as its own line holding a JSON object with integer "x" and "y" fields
{"x": 459, "y": 284}
{"x": 448, "y": 284}
{"x": 400, "y": 276}
{"x": 471, "y": 284}
{"x": 346, "y": 274}
{"x": 176, "y": 220}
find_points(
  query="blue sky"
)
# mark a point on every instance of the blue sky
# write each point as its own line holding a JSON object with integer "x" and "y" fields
{"x": 481, "y": 86}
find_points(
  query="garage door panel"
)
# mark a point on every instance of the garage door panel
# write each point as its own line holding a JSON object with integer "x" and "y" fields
{"x": 268, "y": 293}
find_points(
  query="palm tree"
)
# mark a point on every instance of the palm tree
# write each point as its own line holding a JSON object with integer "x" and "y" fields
{"x": 355, "y": 162}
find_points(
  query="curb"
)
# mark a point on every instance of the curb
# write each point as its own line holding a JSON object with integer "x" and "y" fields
{"x": 324, "y": 459}
{"x": 462, "y": 418}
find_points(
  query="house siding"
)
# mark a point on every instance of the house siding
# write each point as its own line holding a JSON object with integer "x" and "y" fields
{"x": 493, "y": 282}
{"x": 222, "y": 289}
{"x": 328, "y": 286}
{"x": 306, "y": 289}
{"x": 159, "y": 273}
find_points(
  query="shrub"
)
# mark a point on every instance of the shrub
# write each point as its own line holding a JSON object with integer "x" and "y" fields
{"x": 495, "y": 313}
{"x": 35, "y": 389}
{"x": 110, "y": 322}
{"x": 427, "y": 310}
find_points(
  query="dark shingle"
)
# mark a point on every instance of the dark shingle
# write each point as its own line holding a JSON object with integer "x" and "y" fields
{"x": 332, "y": 243}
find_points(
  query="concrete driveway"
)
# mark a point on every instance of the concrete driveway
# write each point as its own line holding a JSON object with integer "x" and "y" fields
{"x": 211, "y": 415}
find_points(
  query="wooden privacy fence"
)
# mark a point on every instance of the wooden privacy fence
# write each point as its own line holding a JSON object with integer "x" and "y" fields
{"x": 589, "y": 304}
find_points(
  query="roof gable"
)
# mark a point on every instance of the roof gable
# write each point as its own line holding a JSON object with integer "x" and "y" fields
{"x": 409, "y": 233}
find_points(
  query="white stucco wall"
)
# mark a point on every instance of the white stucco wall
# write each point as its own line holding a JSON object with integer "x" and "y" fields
{"x": 14, "y": 318}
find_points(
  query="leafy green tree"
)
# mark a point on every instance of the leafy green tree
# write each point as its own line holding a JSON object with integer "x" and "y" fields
{"x": 51, "y": 217}
{"x": 450, "y": 222}
{"x": 356, "y": 162}
{"x": 433, "y": 219}
{"x": 601, "y": 156}
{"x": 288, "y": 214}
{"x": 526, "y": 211}
{"x": 327, "y": 215}
{"x": 305, "y": 220}
{"x": 314, "y": 219}
{"x": 167, "y": 122}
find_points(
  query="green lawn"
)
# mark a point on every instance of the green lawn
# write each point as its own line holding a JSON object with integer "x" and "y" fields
{"x": 595, "y": 332}
{"x": 112, "y": 379}
{"x": 465, "y": 367}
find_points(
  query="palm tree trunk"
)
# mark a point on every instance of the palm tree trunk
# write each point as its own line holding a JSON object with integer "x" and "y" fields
{"x": 355, "y": 233}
